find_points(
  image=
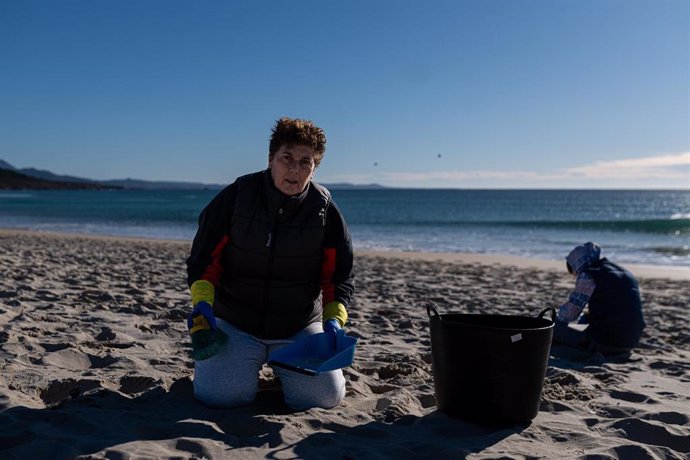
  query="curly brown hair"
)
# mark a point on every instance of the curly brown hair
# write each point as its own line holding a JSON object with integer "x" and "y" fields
{"x": 296, "y": 131}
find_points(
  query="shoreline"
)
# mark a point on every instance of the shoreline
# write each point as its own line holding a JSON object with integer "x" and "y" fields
{"x": 639, "y": 270}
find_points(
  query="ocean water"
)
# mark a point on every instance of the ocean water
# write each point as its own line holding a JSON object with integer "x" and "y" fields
{"x": 644, "y": 227}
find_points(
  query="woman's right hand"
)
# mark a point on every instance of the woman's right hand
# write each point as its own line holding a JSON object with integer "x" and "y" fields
{"x": 201, "y": 318}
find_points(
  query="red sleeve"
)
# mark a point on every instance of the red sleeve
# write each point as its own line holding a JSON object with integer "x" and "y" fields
{"x": 337, "y": 267}
{"x": 327, "y": 270}
{"x": 205, "y": 258}
{"x": 215, "y": 268}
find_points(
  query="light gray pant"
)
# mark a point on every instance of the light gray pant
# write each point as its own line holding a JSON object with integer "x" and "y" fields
{"x": 231, "y": 377}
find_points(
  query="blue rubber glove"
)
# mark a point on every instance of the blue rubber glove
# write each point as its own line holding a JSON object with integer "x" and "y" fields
{"x": 207, "y": 339}
{"x": 331, "y": 327}
{"x": 201, "y": 318}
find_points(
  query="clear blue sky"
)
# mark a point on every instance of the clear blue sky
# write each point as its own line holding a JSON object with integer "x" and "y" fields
{"x": 510, "y": 93}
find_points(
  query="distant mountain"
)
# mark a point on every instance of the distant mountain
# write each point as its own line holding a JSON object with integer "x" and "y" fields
{"x": 140, "y": 184}
{"x": 13, "y": 180}
{"x": 160, "y": 185}
{"x": 6, "y": 165}
{"x": 115, "y": 183}
{"x": 347, "y": 186}
{"x": 47, "y": 175}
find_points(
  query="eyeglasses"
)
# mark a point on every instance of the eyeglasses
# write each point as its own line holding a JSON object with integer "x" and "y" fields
{"x": 304, "y": 164}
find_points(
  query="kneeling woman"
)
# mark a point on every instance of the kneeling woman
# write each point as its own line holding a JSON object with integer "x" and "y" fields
{"x": 271, "y": 262}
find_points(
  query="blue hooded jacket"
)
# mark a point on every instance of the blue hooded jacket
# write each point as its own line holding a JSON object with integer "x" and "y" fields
{"x": 613, "y": 295}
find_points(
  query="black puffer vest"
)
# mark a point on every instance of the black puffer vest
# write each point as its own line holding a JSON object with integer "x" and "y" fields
{"x": 615, "y": 307}
{"x": 272, "y": 263}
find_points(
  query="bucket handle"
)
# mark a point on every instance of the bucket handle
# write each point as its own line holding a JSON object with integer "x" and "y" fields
{"x": 431, "y": 307}
{"x": 548, "y": 309}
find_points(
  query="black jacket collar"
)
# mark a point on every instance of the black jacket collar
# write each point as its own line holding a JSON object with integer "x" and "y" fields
{"x": 278, "y": 200}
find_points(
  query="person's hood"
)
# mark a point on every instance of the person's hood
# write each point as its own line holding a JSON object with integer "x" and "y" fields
{"x": 583, "y": 256}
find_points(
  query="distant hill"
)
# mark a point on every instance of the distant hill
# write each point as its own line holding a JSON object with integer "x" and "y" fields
{"x": 139, "y": 184}
{"x": 6, "y": 165}
{"x": 13, "y": 180}
{"x": 347, "y": 186}
{"x": 47, "y": 175}
{"x": 160, "y": 185}
{"x": 115, "y": 183}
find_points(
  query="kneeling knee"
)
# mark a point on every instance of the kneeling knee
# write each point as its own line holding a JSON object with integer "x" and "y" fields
{"x": 224, "y": 400}
{"x": 223, "y": 403}
{"x": 323, "y": 400}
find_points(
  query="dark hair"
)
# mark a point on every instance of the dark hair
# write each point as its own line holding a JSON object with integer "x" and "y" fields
{"x": 570, "y": 269}
{"x": 295, "y": 131}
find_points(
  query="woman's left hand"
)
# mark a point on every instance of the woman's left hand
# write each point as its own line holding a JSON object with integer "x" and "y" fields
{"x": 331, "y": 327}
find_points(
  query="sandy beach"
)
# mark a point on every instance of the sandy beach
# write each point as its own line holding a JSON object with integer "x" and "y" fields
{"x": 95, "y": 363}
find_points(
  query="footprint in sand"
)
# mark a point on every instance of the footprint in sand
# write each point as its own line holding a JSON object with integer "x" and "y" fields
{"x": 380, "y": 389}
{"x": 106, "y": 335}
{"x": 60, "y": 390}
{"x": 646, "y": 432}
{"x": 631, "y": 396}
{"x": 51, "y": 347}
{"x": 616, "y": 412}
{"x": 193, "y": 447}
{"x": 669, "y": 418}
{"x": 67, "y": 359}
{"x": 673, "y": 369}
{"x": 99, "y": 362}
{"x": 136, "y": 384}
{"x": 634, "y": 451}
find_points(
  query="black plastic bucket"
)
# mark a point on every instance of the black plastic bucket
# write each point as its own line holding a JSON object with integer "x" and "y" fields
{"x": 489, "y": 368}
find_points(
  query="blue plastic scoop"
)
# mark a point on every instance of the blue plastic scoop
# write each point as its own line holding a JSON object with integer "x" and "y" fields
{"x": 315, "y": 354}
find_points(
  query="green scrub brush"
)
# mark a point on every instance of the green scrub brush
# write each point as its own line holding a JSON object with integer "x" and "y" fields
{"x": 207, "y": 343}
{"x": 207, "y": 338}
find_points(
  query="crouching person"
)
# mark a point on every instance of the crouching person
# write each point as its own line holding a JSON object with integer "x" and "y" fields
{"x": 612, "y": 297}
